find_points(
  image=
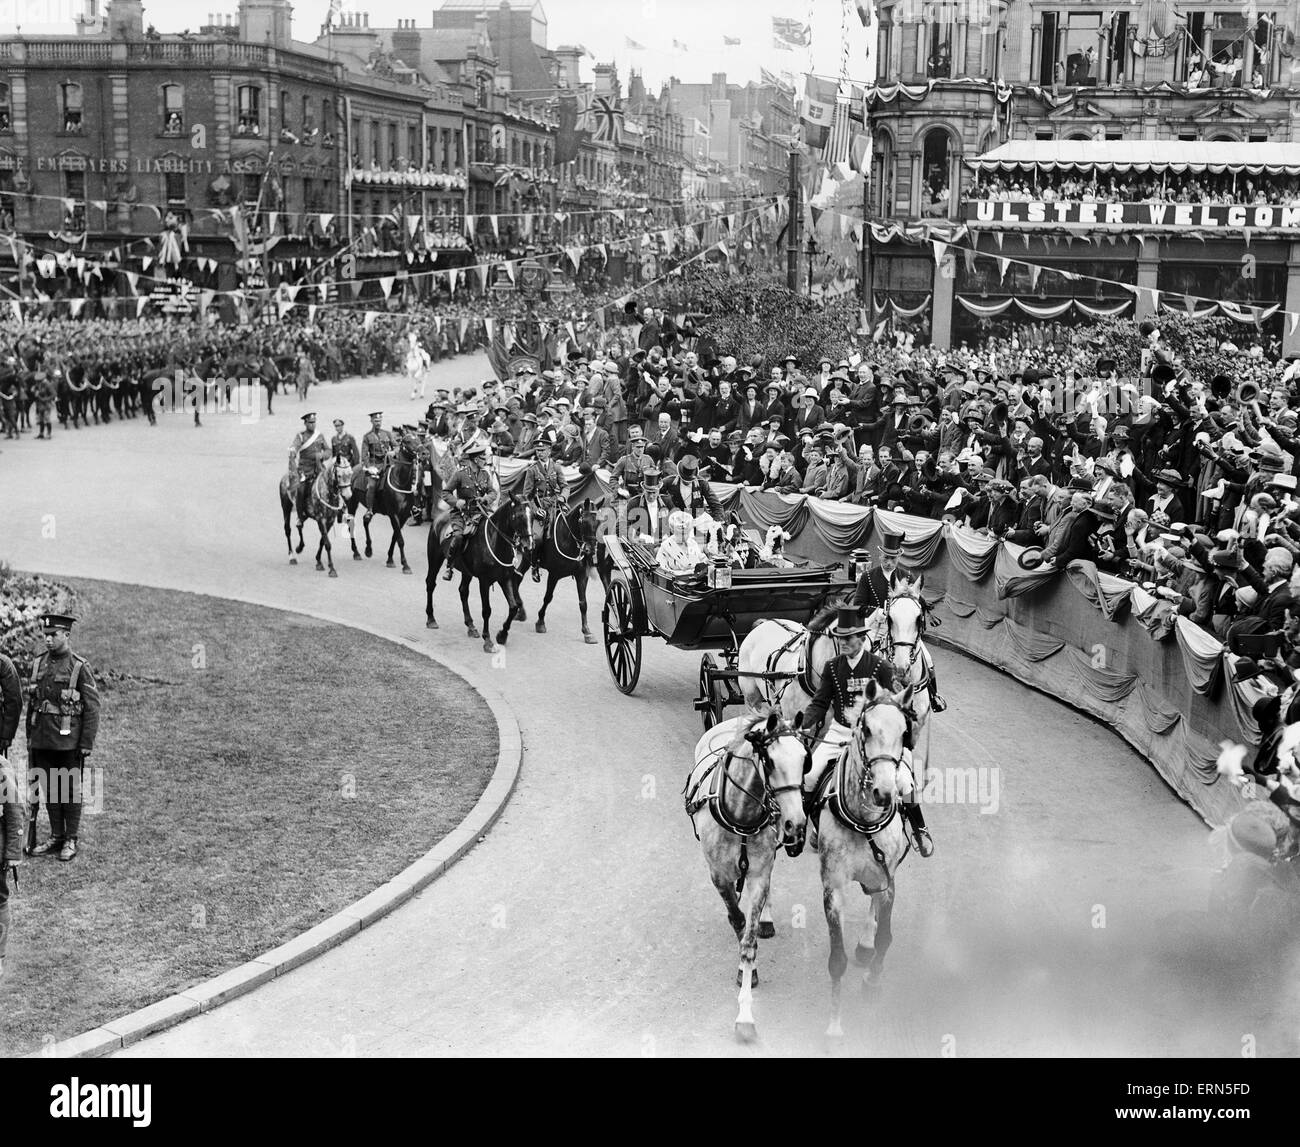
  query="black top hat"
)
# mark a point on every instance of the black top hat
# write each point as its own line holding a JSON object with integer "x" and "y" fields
{"x": 1162, "y": 373}
{"x": 848, "y": 623}
{"x": 891, "y": 545}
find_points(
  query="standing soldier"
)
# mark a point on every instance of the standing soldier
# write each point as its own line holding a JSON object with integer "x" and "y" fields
{"x": 9, "y": 400}
{"x": 11, "y": 847}
{"x": 62, "y": 720}
{"x": 44, "y": 394}
{"x": 343, "y": 445}
{"x": 11, "y": 703}
{"x": 544, "y": 489}
{"x": 376, "y": 447}
{"x": 307, "y": 454}
{"x": 471, "y": 493}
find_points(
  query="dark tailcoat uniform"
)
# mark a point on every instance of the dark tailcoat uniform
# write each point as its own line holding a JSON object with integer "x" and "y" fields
{"x": 843, "y": 685}
{"x": 873, "y": 590}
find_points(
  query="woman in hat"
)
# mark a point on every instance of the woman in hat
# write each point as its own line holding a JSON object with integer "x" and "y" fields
{"x": 1166, "y": 500}
{"x": 680, "y": 553}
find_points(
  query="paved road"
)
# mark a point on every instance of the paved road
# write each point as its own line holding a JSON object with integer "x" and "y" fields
{"x": 1062, "y": 923}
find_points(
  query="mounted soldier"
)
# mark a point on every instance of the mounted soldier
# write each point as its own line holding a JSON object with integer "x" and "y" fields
{"x": 545, "y": 490}
{"x": 472, "y": 495}
{"x": 377, "y": 446}
{"x": 307, "y": 454}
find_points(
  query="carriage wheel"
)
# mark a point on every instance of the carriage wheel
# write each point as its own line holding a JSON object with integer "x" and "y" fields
{"x": 622, "y": 642}
{"x": 711, "y": 701}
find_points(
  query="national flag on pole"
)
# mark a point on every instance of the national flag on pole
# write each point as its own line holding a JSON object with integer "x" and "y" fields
{"x": 859, "y": 151}
{"x": 864, "y": 12}
{"x": 817, "y": 111}
{"x": 632, "y": 45}
{"x": 837, "y": 147}
{"x": 606, "y": 120}
{"x": 790, "y": 34}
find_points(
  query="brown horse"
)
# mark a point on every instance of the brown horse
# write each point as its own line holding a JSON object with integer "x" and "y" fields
{"x": 395, "y": 497}
{"x": 566, "y": 548}
{"x": 491, "y": 554}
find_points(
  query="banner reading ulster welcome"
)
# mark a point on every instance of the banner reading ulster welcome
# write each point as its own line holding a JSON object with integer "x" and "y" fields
{"x": 1145, "y": 216}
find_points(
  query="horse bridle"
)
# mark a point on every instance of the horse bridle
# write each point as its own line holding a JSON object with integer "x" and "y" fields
{"x": 585, "y": 548}
{"x": 514, "y": 543}
{"x": 869, "y": 763}
{"x": 403, "y": 451}
{"x": 759, "y": 740}
{"x": 915, "y": 646}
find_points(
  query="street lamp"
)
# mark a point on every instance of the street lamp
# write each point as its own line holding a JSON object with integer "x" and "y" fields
{"x": 811, "y": 250}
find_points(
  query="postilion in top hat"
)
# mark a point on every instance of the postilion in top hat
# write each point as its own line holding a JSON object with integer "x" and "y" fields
{"x": 848, "y": 623}
{"x": 63, "y": 621}
{"x": 891, "y": 545}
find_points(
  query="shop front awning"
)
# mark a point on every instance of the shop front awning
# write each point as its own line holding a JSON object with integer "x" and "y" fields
{"x": 1175, "y": 155}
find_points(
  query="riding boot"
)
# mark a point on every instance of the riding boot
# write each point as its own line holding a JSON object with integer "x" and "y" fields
{"x": 920, "y": 834}
{"x": 537, "y": 572}
{"x": 452, "y": 550}
{"x": 937, "y": 703}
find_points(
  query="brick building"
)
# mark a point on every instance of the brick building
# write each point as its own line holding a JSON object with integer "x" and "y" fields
{"x": 959, "y": 79}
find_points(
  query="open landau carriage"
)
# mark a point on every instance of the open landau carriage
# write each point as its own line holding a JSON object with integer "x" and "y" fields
{"x": 641, "y": 600}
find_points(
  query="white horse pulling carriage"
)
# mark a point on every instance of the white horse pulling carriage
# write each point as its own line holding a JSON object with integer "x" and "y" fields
{"x": 741, "y": 800}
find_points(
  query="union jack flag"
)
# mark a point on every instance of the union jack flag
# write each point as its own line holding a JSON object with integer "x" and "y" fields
{"x": 606, "y": 120}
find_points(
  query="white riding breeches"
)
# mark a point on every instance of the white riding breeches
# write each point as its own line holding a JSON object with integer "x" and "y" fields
{"x": 832, "y": 744}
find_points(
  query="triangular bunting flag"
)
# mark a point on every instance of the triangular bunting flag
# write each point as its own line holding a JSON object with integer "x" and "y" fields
{"x": 574, "y": 254}
{"x": 1292, "y": 321}
{"x": 509, "y": 268}
{"x": 452, "y": 277}
{"x": 369, "y": 320}
{"x": 17, "y": 307}
{"x": 412, "y": 225}
{"x": 1034, "y": 271}
{"x": 146, "y": 263}
{"x": 386, "y": 284}
{"x": 1189, "y": 301}
{"x": 490, "y": 325}
{"x": 1003, "y": 264}
{"x": 469, "y": 226}
{"x": 940, "y": 250}
{"x": 325, "y": 221}
{"x": 997, "y": 238}
{"x": 496, "y": 225}
{"x": 140, "y": 305}
{"x": 969, "y": 255}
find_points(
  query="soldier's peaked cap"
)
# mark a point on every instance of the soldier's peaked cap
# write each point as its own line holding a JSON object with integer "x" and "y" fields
{"x": 62, "y": 621}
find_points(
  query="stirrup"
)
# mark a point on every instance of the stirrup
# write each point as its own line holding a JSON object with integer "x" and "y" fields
{"x": 937, "y": 703}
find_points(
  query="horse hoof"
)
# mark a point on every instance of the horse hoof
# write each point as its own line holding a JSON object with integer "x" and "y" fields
{"x": 392, "y": 565}
{"x": 293, "y": 561}
{"x": 540, "y": 627}
{"x": 320, "y": 568}
{"x": 591, "y": 640}
{"x": 502, "y": 637}
{"x": 356, "y": 557}
{"x": 471, "y": 632}
{"x": 520, "y": 615}
{"x": 753, "y": 979}
{"x": 766, "y": 929}
{"x": 863, "y": 956}
{"x": 334, "y": 573}
{"x": 406, "y": 569}
{"x": 489, "y": 646}
{"x": 746, "y": 1032}
{"x": 369, "y": 552}
{"x": 430, "y": 624}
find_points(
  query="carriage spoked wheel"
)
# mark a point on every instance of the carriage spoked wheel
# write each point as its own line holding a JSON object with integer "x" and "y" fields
{"x": 712, "y": 699}
{"x": 622, "y": 642}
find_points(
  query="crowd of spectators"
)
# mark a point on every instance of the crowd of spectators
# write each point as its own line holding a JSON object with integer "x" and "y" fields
{"x": 1137, "y": 187}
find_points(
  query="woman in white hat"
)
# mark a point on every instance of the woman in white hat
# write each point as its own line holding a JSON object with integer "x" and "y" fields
{"x": 680, "y": 552}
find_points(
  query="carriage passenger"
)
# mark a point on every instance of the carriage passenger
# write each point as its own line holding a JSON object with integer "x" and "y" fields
{"x": 680, "y": 553}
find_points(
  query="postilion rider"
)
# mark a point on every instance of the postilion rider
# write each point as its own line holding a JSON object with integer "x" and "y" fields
{"x": 62, "y": 720}
{"x": 472, "y": 495}
{"x": 844, "y": 681}
{"x": 544, "y": 489}
{"x": 308, "y": 453}
{"x": 874, "y": 588}
{"x": 377, "y": 446}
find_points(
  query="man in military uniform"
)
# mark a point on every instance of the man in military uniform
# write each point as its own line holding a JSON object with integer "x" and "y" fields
{"x": 874, "y": 589}
{"x": 11, "y": 703}
{"x": 376, "y": 446}
{"x": 307, "y": 454}
{"x": 343, "y": 445}
{"x": 844, "y": 681}
{"x": 544, "y": 489}
{"x": 471, "y": 494}
{"x": 62, "y": 720}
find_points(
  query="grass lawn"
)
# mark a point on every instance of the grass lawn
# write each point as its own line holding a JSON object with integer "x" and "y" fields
{"x": 244, "y": 800}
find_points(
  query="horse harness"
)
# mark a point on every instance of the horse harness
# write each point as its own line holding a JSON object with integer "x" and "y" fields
{"x": 759, "y": 740}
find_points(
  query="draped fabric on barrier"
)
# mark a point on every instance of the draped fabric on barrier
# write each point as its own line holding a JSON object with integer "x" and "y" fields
{"x": 1088, "y": 638}
{"x": 971, "y": 554}
{"x": 1108, "y": 593}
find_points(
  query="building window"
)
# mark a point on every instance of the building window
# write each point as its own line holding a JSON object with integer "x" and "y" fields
{"x": 72, "y": 121}
{"x": 413, "y": 146}
{"x": 6, "y": 200}
{"x": 284, "y": 109}
{"x": 939, "y": 43}
{"x": 174, "y": 193}
{"x": 514, "y": 150}
{"x": 310, "y": 200}
{"x": 1043, "y": 133}
{"x": 250, "y": 111}
{"x": 374, "y": 143}
{"x": 74, "y": 190}
{"x": 250, "y": 189}
{"x": 884, "y": 43}
{"x": 173, "y": 109}
{"x": 1117, "y": 56}
{"x": 5, "y": 122}
{"x": 392, "y": 145}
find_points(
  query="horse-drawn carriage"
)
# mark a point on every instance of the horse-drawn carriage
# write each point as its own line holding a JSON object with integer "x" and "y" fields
{"x": 642, "y": 600}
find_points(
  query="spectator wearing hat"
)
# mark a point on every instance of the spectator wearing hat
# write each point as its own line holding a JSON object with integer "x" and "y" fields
{"x": 592, "y": 442}
{"x": 751, "y": 412}
{"x": 778, "y": 465}
{"x": 726, "y": 409}
{"x": 1166, "y": 500}
{"x": 714, "y": 455}
{"x": 814, "y": 478}
{"x": 746, "y": 464}
{"x": 809, "y": 415}
{"x": 1070, "y": 537}
{"x": 1031, "y": 527}
{"x": 840, "y": 469}
{"x": 774, "y": 407}
{"x": 998, "y": 509}
{"x": 688, "y": 491}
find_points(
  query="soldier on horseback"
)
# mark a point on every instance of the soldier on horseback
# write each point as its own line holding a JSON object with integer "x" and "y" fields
{"x": 472, "y": 495}
{"x": 307, "y": 454}
{"x": 844, "y": 681}
{"x": 377, "y": 447}
{"x": 544, "y": 489}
